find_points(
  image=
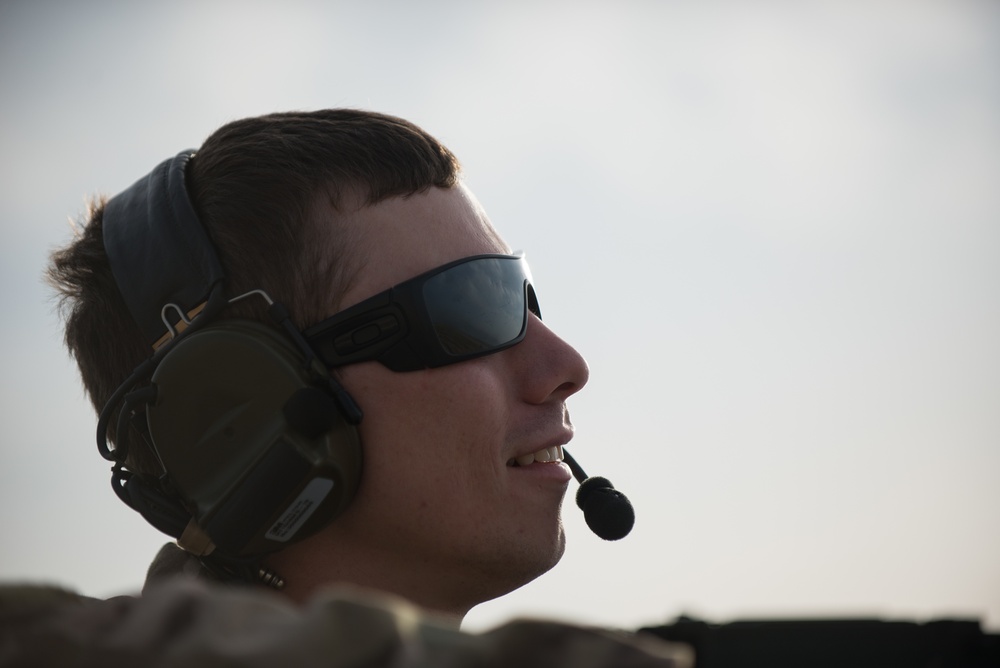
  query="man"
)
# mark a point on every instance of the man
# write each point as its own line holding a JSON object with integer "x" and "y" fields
{"x": 455, "y": 496}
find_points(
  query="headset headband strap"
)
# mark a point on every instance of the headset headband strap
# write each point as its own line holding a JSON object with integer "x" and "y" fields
{"x": 158, "y": 249}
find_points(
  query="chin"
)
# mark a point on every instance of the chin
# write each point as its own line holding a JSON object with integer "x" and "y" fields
{"x": 543, "y": 557}
{"x": 559, "y": 548}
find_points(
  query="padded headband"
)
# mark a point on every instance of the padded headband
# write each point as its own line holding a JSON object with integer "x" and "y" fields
{"x": 159, "y": 251}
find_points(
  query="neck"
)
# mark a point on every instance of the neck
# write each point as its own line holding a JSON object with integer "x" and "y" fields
{"x": 320, "y": 561}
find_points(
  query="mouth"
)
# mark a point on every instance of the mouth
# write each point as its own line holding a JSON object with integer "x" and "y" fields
{"x": 550, "y": 455}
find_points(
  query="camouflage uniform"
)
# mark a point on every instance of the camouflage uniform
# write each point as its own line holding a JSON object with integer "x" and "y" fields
{"x": 190, "y": 622}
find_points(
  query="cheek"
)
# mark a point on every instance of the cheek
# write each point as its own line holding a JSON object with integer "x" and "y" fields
{"x": 431, "y": 434}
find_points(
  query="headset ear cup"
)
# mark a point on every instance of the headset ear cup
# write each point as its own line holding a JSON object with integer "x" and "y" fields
{"x": 163, "y": 512}
{"x": 259, "y": 453}
{"x": 311, "y": 412}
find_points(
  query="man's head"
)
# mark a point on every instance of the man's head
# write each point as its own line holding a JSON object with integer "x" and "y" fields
{"x": 263, "y": 188}
{"x": 322, "y": 211}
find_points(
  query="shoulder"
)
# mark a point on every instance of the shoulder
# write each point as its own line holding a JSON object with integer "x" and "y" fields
{"x": 188, "y": 622}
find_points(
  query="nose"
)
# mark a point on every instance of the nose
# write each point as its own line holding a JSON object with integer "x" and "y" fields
{"x": 550, "y": 368}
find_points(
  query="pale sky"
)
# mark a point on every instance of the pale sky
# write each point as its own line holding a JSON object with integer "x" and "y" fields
{"x": 772, "y": 228}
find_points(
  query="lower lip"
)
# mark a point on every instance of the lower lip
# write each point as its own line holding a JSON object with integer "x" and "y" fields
{"x": 554, "y": 471}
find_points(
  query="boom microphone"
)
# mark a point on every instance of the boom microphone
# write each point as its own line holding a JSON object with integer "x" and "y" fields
{"x": 607, "y": 511}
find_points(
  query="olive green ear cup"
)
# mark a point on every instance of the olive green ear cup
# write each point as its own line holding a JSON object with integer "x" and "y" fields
{"x": 255, "y": 447}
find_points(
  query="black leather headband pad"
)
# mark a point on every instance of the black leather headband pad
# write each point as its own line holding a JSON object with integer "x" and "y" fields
{"x": 159, "y": 251}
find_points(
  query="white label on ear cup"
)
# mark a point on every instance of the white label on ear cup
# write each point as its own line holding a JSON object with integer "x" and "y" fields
{"x": 300, "y": 510}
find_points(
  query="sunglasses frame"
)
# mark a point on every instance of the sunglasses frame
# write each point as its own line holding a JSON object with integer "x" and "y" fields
{"x": 394, "y": 327}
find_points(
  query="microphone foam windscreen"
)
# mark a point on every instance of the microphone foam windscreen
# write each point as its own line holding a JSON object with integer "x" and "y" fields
{"x": 608, "y": 512}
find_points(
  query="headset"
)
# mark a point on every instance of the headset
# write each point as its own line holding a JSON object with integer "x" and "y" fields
{"x": 256, "y": 440}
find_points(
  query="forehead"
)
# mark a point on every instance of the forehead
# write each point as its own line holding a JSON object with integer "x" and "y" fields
{"x": 401, "y": 237}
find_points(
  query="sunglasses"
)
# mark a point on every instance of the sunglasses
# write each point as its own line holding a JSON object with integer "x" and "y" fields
{"x": 464, "y": 309}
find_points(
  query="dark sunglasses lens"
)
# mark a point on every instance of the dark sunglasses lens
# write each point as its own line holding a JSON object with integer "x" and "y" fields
{"x": 477, "y": 306}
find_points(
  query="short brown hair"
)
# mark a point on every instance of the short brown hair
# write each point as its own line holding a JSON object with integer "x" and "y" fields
{"x": 256, "y": 185}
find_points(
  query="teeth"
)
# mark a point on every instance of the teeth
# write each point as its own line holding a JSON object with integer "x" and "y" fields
{"x": 553, "y": 454}
{"x": 546, "y": 455}
{"x": 524, "y": 460}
